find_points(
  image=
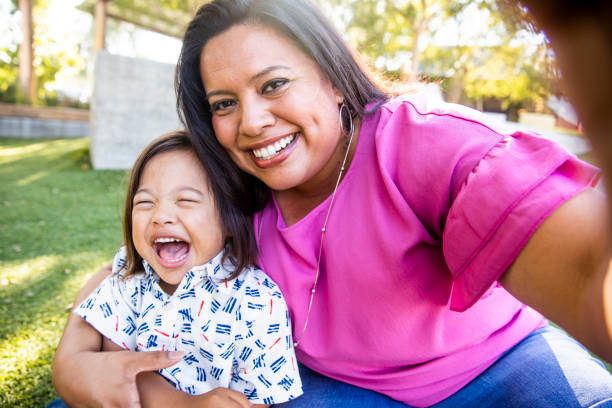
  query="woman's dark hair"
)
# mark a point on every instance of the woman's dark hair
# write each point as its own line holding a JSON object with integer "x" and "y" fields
{"x": 301, "y": 22}
{"x": 239, "y": 244}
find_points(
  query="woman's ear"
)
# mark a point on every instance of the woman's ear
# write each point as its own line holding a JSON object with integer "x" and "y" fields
{"x": 339, "y": 96}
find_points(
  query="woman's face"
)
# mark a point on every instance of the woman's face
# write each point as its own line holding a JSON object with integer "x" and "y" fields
{"x": 274, "y": 111}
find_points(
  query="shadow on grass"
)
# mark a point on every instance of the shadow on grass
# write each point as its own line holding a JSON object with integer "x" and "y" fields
{"x": 52, "y": 203}
{"x": 60, "y": 222}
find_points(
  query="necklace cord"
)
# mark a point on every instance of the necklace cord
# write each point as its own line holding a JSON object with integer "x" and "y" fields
{"x": 323, "y": 229}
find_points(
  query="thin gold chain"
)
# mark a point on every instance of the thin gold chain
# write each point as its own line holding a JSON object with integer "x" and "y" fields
{"x": 323, "y": 230}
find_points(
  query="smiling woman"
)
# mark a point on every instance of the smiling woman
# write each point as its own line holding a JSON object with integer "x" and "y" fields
{"x": 264, "y": 96}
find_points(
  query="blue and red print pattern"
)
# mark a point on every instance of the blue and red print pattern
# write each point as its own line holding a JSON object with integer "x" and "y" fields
{"x": 236, "y": 334}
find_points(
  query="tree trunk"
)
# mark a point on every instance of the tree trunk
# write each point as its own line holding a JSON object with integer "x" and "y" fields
{"x": 27, "y": 80}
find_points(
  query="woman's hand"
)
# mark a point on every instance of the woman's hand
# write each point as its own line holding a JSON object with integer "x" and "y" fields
{"x": 85, "y": 377}
{"x": 108, "y": 379}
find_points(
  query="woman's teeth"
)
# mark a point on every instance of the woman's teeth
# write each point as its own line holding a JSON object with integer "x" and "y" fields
{"x": 268, "y": 152}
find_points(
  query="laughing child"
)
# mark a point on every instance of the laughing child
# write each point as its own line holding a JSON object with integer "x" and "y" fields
{"x": 185, "y": 281}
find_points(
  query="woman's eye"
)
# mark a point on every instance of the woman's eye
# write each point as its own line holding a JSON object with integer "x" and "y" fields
{"x": 273, "y": 85}
{"x": 142, "y": 203}
{"x": 222, "y": 106}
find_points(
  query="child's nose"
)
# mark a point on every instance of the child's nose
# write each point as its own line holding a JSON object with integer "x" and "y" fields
{"x": 163, "y": 214}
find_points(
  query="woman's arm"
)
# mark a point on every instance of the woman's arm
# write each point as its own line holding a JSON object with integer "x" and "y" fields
{"x": 564, "y": 271}
{"x": 85, "y": 377}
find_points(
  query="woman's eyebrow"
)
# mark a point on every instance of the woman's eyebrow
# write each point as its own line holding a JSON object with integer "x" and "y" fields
{"x": 267, "y": 71}
{"x": 258, "y": 75}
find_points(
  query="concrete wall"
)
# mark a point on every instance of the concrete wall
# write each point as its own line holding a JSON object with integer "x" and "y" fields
{"x": 133, "y": 102}
{"x": 27, "y": 128}
{"x": 24, "y": 121}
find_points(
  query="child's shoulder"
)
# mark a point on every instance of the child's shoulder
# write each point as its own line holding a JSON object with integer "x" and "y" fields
{"x": 256, "y": 277}
{"x": 253, "y": 284}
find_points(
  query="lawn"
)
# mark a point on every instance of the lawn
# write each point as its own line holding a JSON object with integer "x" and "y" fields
{"x": 60, "y": 223}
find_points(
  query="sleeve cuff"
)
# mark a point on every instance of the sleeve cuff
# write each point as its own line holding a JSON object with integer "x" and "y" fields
{"x": 521, "y": 181}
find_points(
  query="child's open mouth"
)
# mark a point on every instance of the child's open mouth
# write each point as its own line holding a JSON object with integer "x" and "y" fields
{"x": 171, "y": 251}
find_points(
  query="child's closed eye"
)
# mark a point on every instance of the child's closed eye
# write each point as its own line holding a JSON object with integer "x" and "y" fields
{"x": 188, "y": 200}
{"x": 142, "y": 203}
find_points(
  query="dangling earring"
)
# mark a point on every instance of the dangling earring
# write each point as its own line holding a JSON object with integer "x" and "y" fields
{"x": 351, "y": 129}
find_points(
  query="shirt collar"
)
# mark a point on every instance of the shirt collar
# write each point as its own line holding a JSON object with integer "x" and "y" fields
{"x": 212, "y": 270}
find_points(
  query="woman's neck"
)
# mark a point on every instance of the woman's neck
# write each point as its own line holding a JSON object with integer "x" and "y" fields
{"x": 296, "y": 203}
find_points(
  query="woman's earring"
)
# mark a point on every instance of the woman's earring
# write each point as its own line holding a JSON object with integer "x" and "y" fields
{"x": 351, "y": 129}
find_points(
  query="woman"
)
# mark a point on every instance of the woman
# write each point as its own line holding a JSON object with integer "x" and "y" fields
{"x": 395, "y": 232}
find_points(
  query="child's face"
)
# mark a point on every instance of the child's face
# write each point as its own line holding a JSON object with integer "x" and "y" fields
{"x": 175, "y": 225}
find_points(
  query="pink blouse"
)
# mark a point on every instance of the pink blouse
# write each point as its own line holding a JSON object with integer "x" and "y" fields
{"x": 435, "y": 206}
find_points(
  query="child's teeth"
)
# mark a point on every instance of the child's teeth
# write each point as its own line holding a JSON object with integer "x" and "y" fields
{"x": 164, "y": 240}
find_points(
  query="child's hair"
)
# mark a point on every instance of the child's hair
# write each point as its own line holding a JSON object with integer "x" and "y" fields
{"x": 239, "y": 242}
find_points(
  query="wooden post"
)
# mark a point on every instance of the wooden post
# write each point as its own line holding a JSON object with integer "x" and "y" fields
{"x": 100, "y": 25}
{"x": 27, "y": 81}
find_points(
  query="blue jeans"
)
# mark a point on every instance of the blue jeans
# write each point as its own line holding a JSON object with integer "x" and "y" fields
{"x": 547, "y": 369}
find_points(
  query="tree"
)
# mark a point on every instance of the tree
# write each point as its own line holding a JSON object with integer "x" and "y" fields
{"x": 405, "y": 37}
{"x": 29, "y": 78}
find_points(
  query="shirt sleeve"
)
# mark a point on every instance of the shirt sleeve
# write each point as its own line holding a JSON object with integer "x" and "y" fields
{"x": 503, "y": 200}
{"x": 265, "y": 367}
{"x": 478, "y": 190}
{"x": 112, "y": 307}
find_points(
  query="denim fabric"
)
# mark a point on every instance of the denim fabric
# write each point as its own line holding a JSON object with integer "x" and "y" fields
{"x": 547, "y": 369}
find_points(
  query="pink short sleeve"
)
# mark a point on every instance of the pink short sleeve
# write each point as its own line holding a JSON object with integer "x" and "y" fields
{"x": 503, "y": 200}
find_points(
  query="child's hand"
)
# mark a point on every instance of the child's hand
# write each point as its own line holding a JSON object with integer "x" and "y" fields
{"x": 220, "y": 398}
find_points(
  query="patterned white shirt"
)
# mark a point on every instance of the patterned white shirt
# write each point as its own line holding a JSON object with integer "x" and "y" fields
{"x": 236, "y": 334}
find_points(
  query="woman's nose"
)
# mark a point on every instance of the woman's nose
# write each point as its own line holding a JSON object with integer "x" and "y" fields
{"x": 256, "y": 116}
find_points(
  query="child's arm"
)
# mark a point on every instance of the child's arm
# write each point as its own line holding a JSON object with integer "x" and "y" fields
{"x": 155, "y": 391}
{"x": 83, "y": 376}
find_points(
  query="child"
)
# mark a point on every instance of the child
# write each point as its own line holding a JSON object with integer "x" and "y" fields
{"x": 183, "y": 282}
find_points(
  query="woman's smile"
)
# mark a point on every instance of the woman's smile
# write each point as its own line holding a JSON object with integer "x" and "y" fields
{"x": 274, "y": 152}
{"x": 274, "y": 111}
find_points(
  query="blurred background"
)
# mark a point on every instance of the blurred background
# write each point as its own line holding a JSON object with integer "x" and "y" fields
{"x": 85, "y": 84}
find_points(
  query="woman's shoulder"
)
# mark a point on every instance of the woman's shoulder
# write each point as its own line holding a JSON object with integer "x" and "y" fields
{"x": 429, "y": 109}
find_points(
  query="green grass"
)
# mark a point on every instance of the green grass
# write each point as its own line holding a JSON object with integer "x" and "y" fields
{"x": 60, "y": 223}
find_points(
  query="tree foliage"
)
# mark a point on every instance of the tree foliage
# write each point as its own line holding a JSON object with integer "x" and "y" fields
{"x": 48, "y": 61}
{"x": 404, "y": 38}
